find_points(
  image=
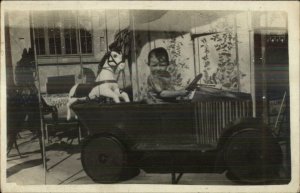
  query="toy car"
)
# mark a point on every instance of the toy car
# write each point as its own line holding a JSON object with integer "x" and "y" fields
{"x": 213, "y": 132}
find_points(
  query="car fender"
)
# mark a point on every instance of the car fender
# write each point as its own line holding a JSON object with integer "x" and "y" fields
{"x": 117, "y": 134}
{"x": 242, "y": 124}
{"x": 234, "y": 128}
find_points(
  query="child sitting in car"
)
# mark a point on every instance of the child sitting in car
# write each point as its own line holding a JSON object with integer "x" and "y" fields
{"x": 159, "y": 81}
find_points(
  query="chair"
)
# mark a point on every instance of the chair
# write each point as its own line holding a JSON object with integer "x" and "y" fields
{"x": 55, "y": 116}
{"x": 60, "y": 84}
{"x": 50, "y": 116}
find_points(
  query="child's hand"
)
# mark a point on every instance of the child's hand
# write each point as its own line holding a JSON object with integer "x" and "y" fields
{"x": 186, "y": 95}
{"x": 183, "y": 92}
{"x": 191, "y": 95}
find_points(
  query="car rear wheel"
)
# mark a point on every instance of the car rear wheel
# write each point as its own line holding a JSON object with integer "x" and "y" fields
{"x": 252, "y": 158}
{"x": 104, "y": 159}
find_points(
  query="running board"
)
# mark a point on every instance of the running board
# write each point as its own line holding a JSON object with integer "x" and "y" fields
{"x": 173, "y": 147}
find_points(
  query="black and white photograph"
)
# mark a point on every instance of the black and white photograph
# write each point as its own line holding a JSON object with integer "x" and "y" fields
{"x": 114, "y": 93}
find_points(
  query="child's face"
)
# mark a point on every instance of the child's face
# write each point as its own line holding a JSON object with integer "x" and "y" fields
{"x": 158, "y": 63}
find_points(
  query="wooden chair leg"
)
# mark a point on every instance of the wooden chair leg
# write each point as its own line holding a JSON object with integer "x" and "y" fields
{"x": 41, "y": 147}
{"x": 9, "y": 147}
{"x": 46, "y": 131}
{"x": 17, "y": 148}
{"x": 71, "y": 141}
{"x": 19, "y": 136}
{"x": 79, "y": 134}
{"x": 175, "y": 179}
{"x": 12, "y": 140}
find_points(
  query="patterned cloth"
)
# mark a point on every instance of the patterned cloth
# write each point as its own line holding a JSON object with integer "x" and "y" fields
{"x": 157, "y": 82}
{"x": 57, "y": 100}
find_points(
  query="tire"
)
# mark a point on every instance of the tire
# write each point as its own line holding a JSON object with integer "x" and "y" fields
{"x": 104, "y": 159}
{"x": 252, "y": 158}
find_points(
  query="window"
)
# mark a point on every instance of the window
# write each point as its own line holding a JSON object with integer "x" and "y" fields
{"x": 40, "y": 40}
{"x": 54, "y": 38}
{"x": 70, "y": 35}
{"x": 59, "y": 33}
{"x": 85, "y": 25}
{"x": 86, "y": 41}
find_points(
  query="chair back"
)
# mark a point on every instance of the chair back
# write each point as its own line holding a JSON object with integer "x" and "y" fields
{"x": 60, "y": 84}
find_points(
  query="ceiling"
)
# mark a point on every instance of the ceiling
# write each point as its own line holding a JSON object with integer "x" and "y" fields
{"x": 174, "y": 20}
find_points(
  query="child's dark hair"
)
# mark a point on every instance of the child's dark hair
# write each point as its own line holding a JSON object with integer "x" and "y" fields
{"x": 158, "y": 53}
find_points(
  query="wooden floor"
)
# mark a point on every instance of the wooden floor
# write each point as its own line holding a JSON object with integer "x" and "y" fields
{"x": 64, "y": 166}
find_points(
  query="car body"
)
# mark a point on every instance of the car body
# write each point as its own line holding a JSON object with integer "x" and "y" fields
{"x": 176, "y": 137}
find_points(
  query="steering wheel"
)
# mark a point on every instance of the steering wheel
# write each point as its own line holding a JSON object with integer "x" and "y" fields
{"x": 192, "y": 86}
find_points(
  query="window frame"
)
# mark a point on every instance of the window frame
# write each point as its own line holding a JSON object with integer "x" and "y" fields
{"x": 46, "y": 27}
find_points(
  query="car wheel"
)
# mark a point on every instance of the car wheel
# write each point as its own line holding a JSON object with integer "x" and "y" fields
{"x": 104, "y": 159}
{"x": 252, "y": 158}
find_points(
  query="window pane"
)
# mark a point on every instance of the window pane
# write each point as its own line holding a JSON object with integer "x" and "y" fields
{"x": 74, "y": 43}
{"x": 83, "y": 45}
{"x": 86, "y": 41}
{"x": 54, "y": 26}
{"x": 85, "y": 25}
{"x": 52, "y": 46}
{"x": 54, "y": 41}
{"x": 70, "y": 33}
{"x": 42, "y": 46}
{"x": 58, "y": 45}
{"x": 89, "y": 45}
{"x": 67, "y": 42}
{"x": 82, "y": 32}
{"x": 39, "y": 40}
{"x": 38, "y": 21}
{"x": 37, "y": 47}
{"x": 102, "y": 44}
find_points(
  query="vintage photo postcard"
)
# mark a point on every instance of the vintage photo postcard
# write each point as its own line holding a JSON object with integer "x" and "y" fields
{"x": 149, "y": 96}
